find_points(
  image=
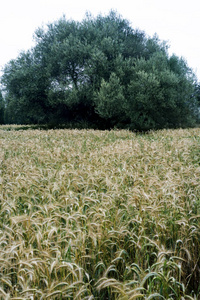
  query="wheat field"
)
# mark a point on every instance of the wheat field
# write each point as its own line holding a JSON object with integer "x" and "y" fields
{"x": 87, "y": 214}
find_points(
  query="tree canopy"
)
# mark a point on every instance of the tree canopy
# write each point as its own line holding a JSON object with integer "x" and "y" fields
{"x": 100, "y": 72}
{"x": 2, "y": 108}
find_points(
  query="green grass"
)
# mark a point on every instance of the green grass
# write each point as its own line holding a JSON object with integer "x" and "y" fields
{"x": 99, "y": 214}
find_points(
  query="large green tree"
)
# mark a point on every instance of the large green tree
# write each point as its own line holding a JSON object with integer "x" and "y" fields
{"x": 26, "y": 85}
{"x": 159, "y": 96}
{"x": 101, "y": 71}
{"x": 2, "y": 108}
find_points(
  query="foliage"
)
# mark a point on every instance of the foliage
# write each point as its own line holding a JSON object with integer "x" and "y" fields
{"x": 99, "y": 214}
{"x": 110, "y": 101}
{"x": 99, "y": 71}
{"x": 159, "y": 97}
{"x": 2, "y": 108}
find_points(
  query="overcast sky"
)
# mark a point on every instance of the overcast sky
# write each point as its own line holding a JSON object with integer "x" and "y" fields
{"x": 176, "y": 21}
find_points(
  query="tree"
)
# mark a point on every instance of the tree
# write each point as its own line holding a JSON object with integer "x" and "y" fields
{"x": 160, "y": 96}
{"x": 2, "y": 108}
{"x": 26, "y": 84}
{"x": 110, "y": 101}
{"x": 99, "y": 71}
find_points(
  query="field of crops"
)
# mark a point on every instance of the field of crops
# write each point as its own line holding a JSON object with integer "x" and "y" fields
{"x": 99, "y": 214}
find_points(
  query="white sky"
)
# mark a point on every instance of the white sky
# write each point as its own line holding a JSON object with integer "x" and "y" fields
{"x": 176, "y": 21}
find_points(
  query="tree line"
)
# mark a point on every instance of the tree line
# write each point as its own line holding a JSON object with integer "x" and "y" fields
{"x": 100, "y": 73}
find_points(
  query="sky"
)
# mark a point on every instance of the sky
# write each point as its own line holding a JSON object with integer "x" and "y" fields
{"x": 174, "y": 21}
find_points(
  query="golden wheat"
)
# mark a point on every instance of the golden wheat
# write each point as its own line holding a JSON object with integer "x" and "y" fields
{"x": 90, "y": 214}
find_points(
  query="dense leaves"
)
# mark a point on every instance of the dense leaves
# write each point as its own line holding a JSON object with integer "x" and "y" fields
{"x": 100, "y": 72}
{"x": 2, "y": 108}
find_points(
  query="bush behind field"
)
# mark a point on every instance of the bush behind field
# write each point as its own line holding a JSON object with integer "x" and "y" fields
{"x": 91, "y": 214}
